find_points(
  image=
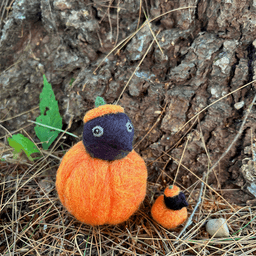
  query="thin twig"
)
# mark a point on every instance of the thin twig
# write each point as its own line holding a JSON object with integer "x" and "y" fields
{"x": 236, "y": 137}
{"x": 221, "y": 98}
{"x": 194, "y": 211}
{"x": 23, "y": 113}
{"x": 182, "y": 155}
{"x": 152, "y": 32}
{"x": 210, "y": 170}
{"x": 137, "y": 68}
{"x": 158, "y": 119}
{"x": 54, "y": 128}
{"x": 127, "y": 39}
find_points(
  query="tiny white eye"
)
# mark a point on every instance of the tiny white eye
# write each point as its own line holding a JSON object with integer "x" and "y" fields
{"x": 129, "y": 126}
{"x": 97, "y": 131}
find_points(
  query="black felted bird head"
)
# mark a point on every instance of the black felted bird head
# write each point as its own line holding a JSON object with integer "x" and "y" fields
{"x": 108, "y": 135}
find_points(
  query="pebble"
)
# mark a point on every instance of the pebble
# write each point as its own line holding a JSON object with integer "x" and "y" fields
{"x": 239, "y": 105}
{"x": 217, "y": 224}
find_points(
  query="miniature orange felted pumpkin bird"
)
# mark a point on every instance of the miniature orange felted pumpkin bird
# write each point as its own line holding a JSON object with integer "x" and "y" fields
{"x": 169, "y": 210}
{"x": 101, "y": 179}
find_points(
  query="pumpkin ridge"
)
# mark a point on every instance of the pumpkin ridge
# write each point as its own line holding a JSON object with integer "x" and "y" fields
{"x": 108, "y": 181}
{"x": 99, "y": 205}
{"x": 62, "y": 177}
{"x": 111, "y": 191}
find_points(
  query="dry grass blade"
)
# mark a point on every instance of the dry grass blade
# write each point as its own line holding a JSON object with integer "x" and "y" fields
{"x": 78, "y": 245}
{"x": 237, "y": 136}
{"x": 33, "y": 222}
{"x": 139, "y": 14}
{"x": 221, "y": 98}
{"x": 4, "y": 9}
{"x": 213, "y": 190}
{"x": 124, "y": 41}
{"x": 117, "y": 22}
{"x": 144, "y": 56}
{"x": 127, "y": 39}
{"x": 152, "y": 32}
{"x": 189, "y": 221}
{"x": 6, "y": 130}
{"x": 182, "y": 155}
{"x": 153, "y": 126}
{"x": 174, "y": 10}
{"x": 23, "y": 113}
{"x": 175, "y": 145}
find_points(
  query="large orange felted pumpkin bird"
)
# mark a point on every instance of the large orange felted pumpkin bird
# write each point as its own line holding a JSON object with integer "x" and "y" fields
{"x": 169, "y": 210}
{"x": 101, "y": 179}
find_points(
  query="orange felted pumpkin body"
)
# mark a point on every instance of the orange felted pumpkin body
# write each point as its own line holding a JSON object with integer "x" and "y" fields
{"x": 98, "y": 191}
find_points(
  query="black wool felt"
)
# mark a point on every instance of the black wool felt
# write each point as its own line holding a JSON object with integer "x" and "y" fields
{"x": 176, "y": 202}
{"x": 109, "y": 137}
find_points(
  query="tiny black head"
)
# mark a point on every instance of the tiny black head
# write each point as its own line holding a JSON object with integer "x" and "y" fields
{"x": 176, "y": 202}
{"x": 109, "y": 137}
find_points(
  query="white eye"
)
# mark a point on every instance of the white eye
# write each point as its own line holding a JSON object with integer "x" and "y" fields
{"x": 97, "y": 131}
{"x": 129, "y": 126}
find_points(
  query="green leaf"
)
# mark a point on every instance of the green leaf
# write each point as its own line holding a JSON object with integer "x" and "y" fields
{"x": 99, "y": 101}
{"x": 50, "y": 116}
{"x": 20, "y": 142}
{"x": 71, "y": 81}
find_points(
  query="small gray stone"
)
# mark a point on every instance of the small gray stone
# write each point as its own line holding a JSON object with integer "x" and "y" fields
{"x": 219, "y": 226}
{"x": 239, "y": 105}
{"x": 62, "y": 5}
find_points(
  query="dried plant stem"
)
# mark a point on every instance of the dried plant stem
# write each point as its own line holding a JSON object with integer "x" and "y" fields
{"x": 137, "y": 68}
{"x": 177, "y": 162}
{"x": 158, "y": 119}
{"x": 221, "y": 98}
{"x": 139, "y": 15}
{"x": 183, "y": 152}
{"x": 127, "y": 39}
{"x": 152, "y": 32}
{"x": 236, "y": 137}
{"x": 189, "y": 221}
{"x": 211, "y": 169}
{"x": 23, "y": 113}
{"x": 53, "y": 128}
{"x": 5, "y": 130}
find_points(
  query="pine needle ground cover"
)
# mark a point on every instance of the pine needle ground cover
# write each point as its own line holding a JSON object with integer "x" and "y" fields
{"x": 34, "y": 222}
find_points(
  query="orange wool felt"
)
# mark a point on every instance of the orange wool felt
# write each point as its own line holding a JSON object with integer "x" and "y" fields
{"x": 172, "y": 191}
{"x": 97, "y": 191}
{"x": 102, "y": 110}
{"x": 166, "y": 217}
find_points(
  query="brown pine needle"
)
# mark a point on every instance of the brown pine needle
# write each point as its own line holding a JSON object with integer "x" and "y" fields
{"x": 221, "y": 98}
{"x": 177, "y": 161}
{"x": 139, "y": 14}
{"x": 183, "y": 152}
{"x": 247, "y": 112}
{"x": 153, "y": 126}
{"x": 127, "y": 39}
{"x": 152, "y": 32}
{"x": 144, "y": 56}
